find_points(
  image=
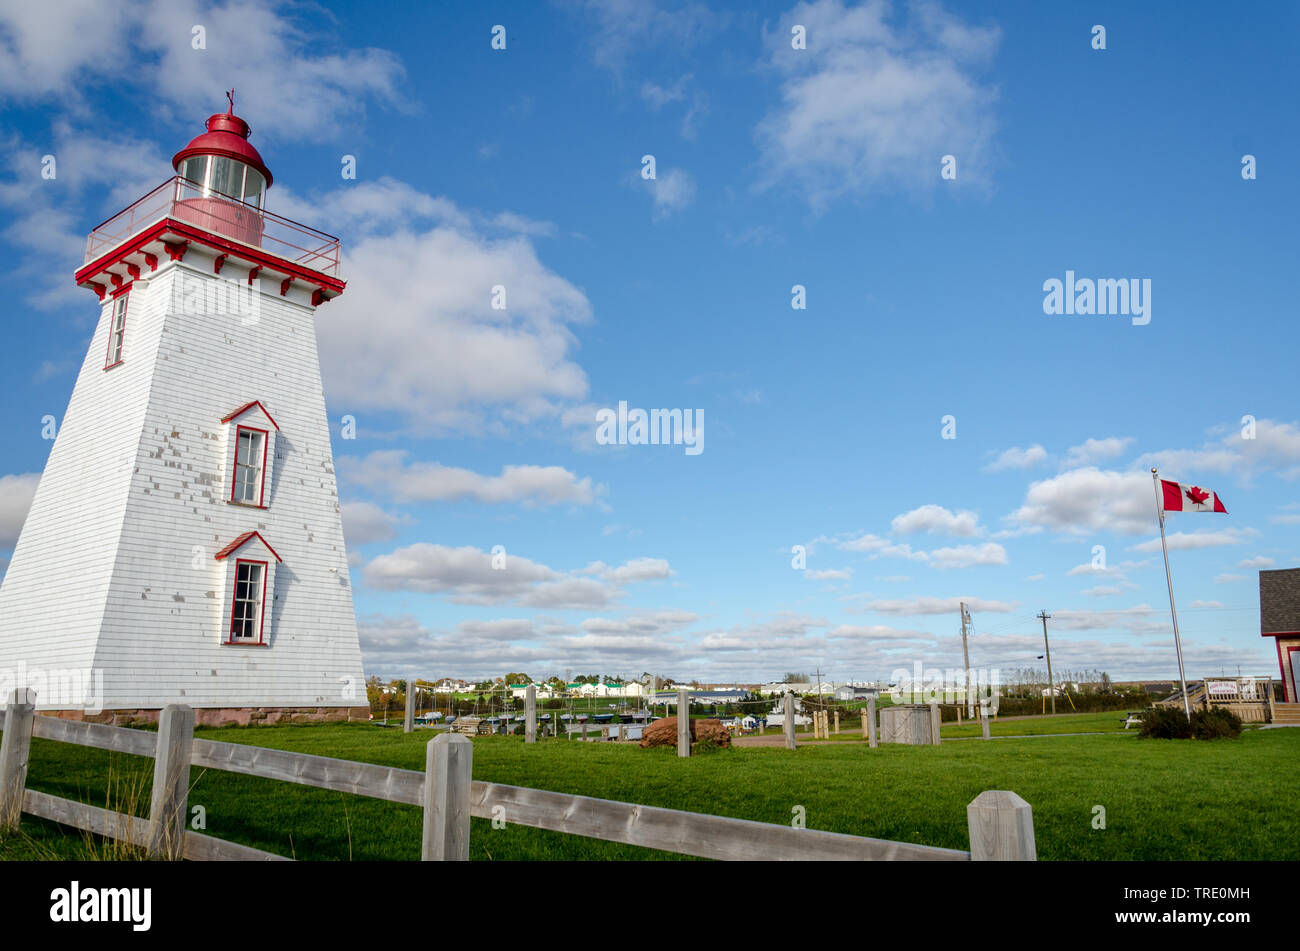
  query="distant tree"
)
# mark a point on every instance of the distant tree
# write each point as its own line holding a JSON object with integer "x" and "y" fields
{"x": 795, "y": 679}
{"x": 1105, "y": 682}
{"x": 518, "y": 678}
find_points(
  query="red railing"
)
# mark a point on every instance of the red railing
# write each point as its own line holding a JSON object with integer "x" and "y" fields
{"x": 182, "y": 200}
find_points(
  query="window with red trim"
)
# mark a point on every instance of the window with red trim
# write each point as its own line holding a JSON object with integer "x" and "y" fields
{"x": 116, "y": 332}
{"x": 250, "y": 466}
{"x": 248, "y": 605}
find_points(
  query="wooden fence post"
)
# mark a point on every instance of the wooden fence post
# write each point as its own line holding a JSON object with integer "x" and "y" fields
{"x": 683, "y": 723}
{"x": 408, "y": 721}
{"x": 530, "y": 714}
{"x": 171, "y": 781}
{"x": 984, "y": 719}
{"x": 20, "y": 715}
{"x": 788, "y": 723}
{"x": 935, "y": 720}
{"x": 448, "y": 771}
{"x": 837, "y": 723}
{"x": 871, "y": 722}
{"x": 1001, "y": 828}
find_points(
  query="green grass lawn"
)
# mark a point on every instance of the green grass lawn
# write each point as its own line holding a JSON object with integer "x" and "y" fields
{"x": 1163, "y": 799}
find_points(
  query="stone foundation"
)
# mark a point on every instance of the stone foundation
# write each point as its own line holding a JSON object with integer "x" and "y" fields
{"x": 221, "y": 716}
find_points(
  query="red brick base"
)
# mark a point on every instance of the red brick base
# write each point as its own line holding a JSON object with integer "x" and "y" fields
{"x": 222, "y": 716}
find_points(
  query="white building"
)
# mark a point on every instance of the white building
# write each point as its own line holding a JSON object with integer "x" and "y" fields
{"x": 184, "y": 544}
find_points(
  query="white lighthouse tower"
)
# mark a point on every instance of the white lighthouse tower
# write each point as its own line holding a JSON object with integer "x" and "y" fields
{"x": 184, "y": 544}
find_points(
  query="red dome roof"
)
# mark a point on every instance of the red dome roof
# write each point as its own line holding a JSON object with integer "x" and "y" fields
{"x": 227, "y": 135}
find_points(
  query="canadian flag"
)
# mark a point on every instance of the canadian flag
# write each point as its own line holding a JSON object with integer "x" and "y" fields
{"x": 1189, "y": 498}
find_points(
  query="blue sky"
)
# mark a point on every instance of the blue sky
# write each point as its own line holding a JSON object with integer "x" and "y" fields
{"x": 775, "y": 167}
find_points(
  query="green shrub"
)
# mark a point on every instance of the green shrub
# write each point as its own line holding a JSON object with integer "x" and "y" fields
{"x": 1165, "y": 723}
{"x": 1171, "y": 723}
{"x": 1216, "y": 724}
{"x": 706, "y": 746}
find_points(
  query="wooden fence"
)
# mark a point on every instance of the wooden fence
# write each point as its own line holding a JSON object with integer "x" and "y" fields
{"x": 1000, "y": 823}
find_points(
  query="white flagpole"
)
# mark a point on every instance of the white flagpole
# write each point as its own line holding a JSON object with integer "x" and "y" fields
{"x": 1178, "y": 644}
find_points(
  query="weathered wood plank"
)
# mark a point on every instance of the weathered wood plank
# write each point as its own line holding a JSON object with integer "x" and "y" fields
{"x": 117, "y": 739}
{"x": 788, "y": 724}
{"x": 871, "y": 722}
{"x": 449, "y": 766}
{"x": 687, "y": 833}
{"x": 1001, "y": 827}
{"x": 15, "y": 748}
{"x": 171, "y": 781}
{"x": 363, "y": 779}
{"x": 115, "y": 825}
{"x": 408, "y": 715}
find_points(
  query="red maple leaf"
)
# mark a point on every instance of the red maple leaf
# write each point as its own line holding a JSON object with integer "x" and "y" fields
{"x": 1197, "y": 495}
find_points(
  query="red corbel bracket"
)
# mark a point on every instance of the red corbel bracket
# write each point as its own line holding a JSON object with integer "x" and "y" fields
{"x": 317, "y": 296}
{"x": 219, "y": 263}
{"x": 253, "y": 272}
{"x": 176, "y": 250}
{"x": 99, "y": 289}
{"x": 132, "y": 270}
{"x": 151, "y": 260}
{"x": 115, "y": 278}
{"x": 284, "y": 286}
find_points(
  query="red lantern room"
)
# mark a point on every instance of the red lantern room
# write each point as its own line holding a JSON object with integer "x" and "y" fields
{"x": 219, "y": 169}
{"x": 216, "y": 200}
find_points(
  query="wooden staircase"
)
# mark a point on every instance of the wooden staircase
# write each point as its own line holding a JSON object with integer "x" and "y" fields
{"x": 1286, "y": 713}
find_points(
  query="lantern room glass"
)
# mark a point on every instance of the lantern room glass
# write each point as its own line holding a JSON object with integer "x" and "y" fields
{"x": 226, "y": 177}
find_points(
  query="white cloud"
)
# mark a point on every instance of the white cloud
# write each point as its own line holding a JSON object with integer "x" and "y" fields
{"x": 966, "y": 556}
{"x": 1228, "y": 578}
{"x": 1207, "y": 604}
{"x": 388, "y": 472}
{"x": 1017, "y": 458}
{"x": 869, "y": 106}
{"x": 290, "y": 83}
{"x": 1275, "y": 446}
{"x": 672, "y": 190}
{"x": 828, "y": 574}
{"x": 921, "y": 606}
{"x": 434, "y": 349}
{"x": 465, "y": 574}
{"x": 876, "y": 632}
{"x": 937, "y": 520}
{"x": 365, "y": 522}
{"x": 620, "y": 29}
{"x": 1090, "y": 500}
{"x": 16, "y": 493}
{"x": 1095, "y": 450}
{"x": 1187, "y": 541}
{"x": 1258, "y": 562}
{"x": 638, "y": 569}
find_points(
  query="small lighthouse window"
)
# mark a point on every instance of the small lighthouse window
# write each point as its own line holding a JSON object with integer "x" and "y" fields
{"x": 226, "y": 177}
{"x": 246, "y": 617}
{"x": 116, "y": 332}
{"x": 249, "y": 458}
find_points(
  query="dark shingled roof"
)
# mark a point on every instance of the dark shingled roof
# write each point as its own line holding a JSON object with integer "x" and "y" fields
{"x": 1279, "y": 601}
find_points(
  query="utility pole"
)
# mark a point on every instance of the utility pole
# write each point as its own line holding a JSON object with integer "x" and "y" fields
{"x": 1051, "y": 687}
{"x": 965, "y": 653}
{"x": 819, "y": 688}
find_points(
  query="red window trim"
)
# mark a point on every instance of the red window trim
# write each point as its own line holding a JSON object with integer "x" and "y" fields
{"x": 245, "y": 408}
{"x": 261, "y": 621}
{"x": 261, "y": 478}
{"x": 112, "y": 321}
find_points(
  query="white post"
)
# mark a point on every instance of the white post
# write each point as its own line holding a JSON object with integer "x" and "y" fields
{"x": 448, "y": 772}
{"x": 871, "y": 723}
{"x": 1169, "y": 580}
{"x": 171, "y": 781}
{"x": 984, "y": 719}
{"x": 530, "y": 714}
{"x": 1001, "y": 828}
{"x": 788, "y": 724}
{"x": 683, "y": 723}
{"x": 20, "y": 717}
{"x": 934, "y": 723}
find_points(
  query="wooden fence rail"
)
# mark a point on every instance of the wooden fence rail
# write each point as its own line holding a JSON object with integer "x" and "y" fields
{"x": 1000, "y": 823}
